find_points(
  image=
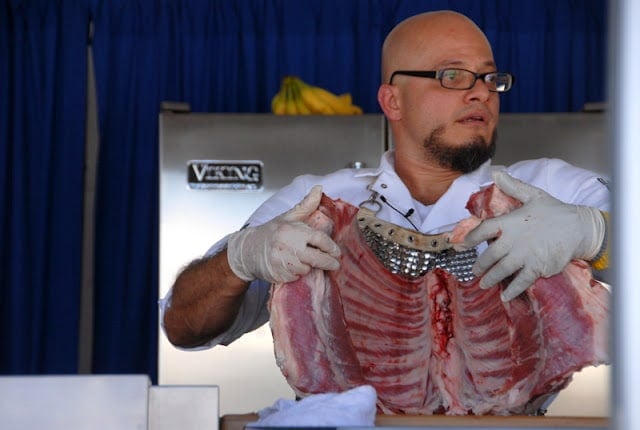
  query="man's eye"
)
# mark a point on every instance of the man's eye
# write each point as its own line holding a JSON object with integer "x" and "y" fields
{"x": 450, "y": 75}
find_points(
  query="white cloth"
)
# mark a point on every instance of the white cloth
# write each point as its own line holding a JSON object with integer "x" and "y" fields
{"x": 565, "y": 182}
{"x": 355, "y": 407}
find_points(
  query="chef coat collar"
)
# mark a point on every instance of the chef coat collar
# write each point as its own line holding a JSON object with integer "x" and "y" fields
{"x": 447, "y": 211}
{"x": 386, "y": 164}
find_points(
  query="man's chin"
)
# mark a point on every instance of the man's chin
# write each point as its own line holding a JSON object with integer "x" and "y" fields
{"x": 464, "y": 157}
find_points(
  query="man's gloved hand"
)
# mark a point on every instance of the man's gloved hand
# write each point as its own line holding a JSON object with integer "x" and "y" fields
{"x": 284, "y": 248}
{"x": 538, "y": 239}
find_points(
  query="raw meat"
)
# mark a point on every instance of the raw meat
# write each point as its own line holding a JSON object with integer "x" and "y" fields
{"x": 434, "y": 345}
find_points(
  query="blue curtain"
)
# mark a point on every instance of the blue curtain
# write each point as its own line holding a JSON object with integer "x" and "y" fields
{"x": 43, "y": 69}
{"x": 218, "y": 56}
{"x": 130, "y": 60}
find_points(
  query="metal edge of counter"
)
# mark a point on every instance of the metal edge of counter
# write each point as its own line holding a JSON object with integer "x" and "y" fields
{"x": 239, "y": 421}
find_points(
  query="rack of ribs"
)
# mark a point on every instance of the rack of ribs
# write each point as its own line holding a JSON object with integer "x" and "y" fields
{"x": 434, "y": 345}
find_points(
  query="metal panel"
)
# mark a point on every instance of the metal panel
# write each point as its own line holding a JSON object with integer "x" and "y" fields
{"x": 116, "y": 402}
{"x": 183, "y": 407}
{"x": 624, "y": 88}
{"x": 578, "y": 138}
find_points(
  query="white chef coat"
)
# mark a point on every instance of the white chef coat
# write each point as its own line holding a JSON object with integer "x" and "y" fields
{"x": 560, "y": 179}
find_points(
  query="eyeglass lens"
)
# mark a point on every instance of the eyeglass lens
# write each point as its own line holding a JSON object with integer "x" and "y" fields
{"x": 465, "y": 79}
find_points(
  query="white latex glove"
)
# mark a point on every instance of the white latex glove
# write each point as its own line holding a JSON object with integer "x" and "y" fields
{"x": 538, "y": 239}
{"x": 284, "y": 248}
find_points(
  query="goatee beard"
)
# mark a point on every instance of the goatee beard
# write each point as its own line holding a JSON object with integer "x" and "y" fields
{"x": 462, "y": 158}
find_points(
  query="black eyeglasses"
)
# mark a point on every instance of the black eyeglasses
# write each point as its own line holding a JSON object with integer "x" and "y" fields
{"x": 462, "y": 79}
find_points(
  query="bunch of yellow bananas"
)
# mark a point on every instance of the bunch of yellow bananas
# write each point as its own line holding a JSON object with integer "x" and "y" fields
{"x": 299, "y": 98}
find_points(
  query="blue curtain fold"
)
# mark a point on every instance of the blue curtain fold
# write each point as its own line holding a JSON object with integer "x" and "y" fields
{"x": 43, "y": 68}
{"x": 218, "y": 56}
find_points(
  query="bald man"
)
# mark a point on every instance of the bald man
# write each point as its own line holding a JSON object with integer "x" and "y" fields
{"x": 440, "y": 93}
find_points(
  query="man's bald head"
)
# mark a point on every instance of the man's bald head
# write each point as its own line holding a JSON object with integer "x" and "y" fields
{"x": 428, "y": 33}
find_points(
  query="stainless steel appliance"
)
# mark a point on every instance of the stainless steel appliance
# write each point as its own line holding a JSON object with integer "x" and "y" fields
{"x": 215, "y": 169}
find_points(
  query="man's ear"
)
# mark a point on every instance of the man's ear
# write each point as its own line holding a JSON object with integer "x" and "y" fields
{"x": 388, "y": 100}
